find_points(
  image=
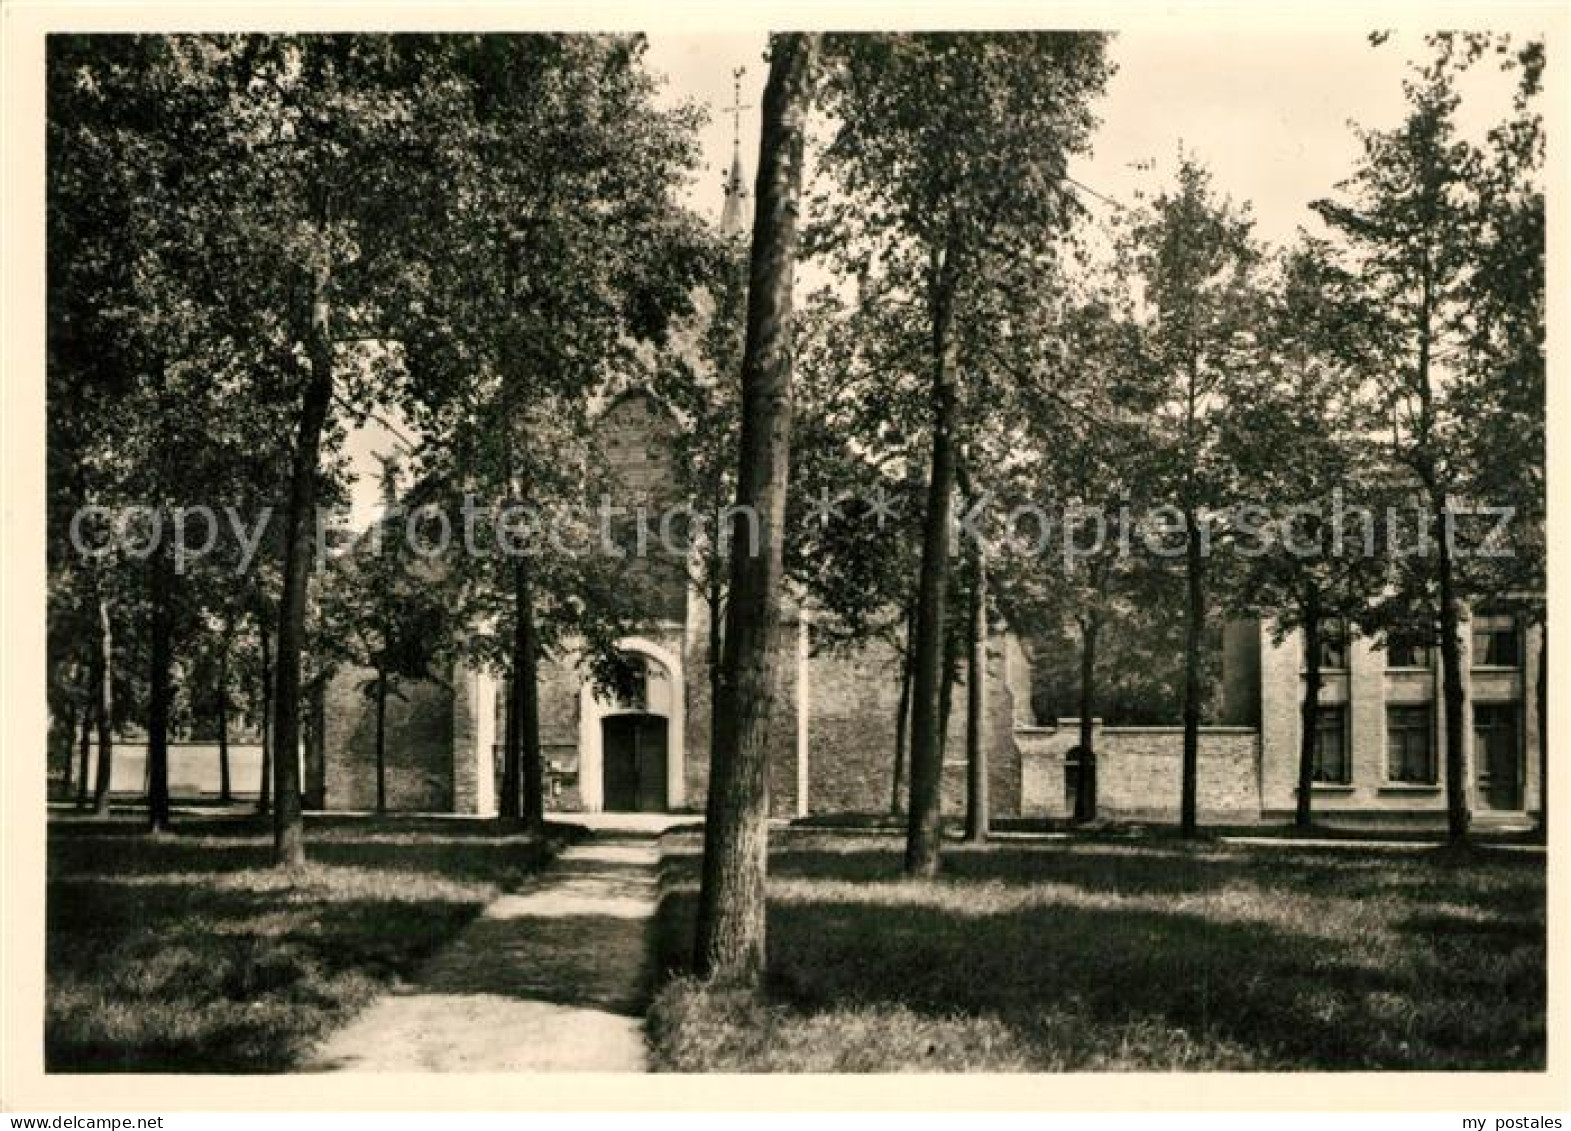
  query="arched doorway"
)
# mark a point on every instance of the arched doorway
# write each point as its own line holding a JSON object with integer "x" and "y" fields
{"x": 631, "y": 749}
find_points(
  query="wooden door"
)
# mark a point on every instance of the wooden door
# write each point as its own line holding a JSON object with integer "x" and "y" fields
{"x": 633, "y": 751}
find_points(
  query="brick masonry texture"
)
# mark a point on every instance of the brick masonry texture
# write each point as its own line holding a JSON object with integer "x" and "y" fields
{"x": 419, "y": 746}
{"x": 855, "y": 697}
{"x": 1139, "y": 772}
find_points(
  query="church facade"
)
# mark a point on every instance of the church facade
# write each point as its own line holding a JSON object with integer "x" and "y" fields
{"x": 832, "y": 731}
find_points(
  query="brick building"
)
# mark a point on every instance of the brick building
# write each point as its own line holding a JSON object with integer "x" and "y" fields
{"x": 1380, "y": 739}
{"x": 1380, "y": 743}
{"x": 833, "y": 731}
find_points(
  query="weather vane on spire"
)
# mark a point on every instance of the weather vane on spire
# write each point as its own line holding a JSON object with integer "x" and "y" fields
{"x": 733, "y": 217}
{"x": 737, "y": 107}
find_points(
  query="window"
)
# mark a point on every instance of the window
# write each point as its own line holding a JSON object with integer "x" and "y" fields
{"x": 1331, "y": 763}
{"x": 1408, "y": 652}
{"x": 1410, "y": 749}
{"x": 1333, "y": 644}
{"x": 632, "y": 687}
{"x": 1494, "y": 641}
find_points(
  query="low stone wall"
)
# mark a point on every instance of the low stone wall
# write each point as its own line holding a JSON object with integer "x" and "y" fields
{"x": 193, "y": 769}
{"x": 1139, "y": 771}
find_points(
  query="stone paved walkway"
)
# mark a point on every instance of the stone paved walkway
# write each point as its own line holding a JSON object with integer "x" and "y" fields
{"x": 551, "y": 978}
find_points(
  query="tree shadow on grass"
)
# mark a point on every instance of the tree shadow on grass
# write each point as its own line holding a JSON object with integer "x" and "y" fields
{"x": 1500, "y": 884}
{"x": 189, "y": 953}
{"x": 465, "y": 851}
{"x": 172, "y": 977}
{"x": 1071, "y": 976}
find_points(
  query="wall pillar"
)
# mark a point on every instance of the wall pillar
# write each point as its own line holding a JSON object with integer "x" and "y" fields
{"x": 474, "y": 735}
{"x": 804, "y": 694}
{"x": 484, "y": 752}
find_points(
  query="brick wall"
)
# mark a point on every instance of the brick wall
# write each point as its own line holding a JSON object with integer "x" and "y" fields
{"x": 1139, "y": 772}
{"x": 419, "y": 745}
{"x": 466, "y": 733}
{"x": 855, "y": 697}
{"x": 782, "y": 728}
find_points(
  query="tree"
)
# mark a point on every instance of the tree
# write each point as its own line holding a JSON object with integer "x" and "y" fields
{"x": 1297, "y": 433}
{"x": 1196, "y": 259}
{"x": 729, "y": 942}
{"x": 1429, "y": 226}
{"x": 558, "y": 262}
{"x": 703, "y": 386}
{"x": 384, "y": 610}
{"x": 943, "y": 217}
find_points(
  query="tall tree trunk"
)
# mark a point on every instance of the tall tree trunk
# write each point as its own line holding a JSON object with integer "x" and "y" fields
{"x": 526, "y": 666}
{"x": 288, "y": 822}
{"x": 381, "y": 741}
{"x": 104, "y": 712}
{"x": 1085, "y": 786}
{"x": 977, "y": 804}
{"x": 1309, "y": 713}
{"x": 62, "y": 737}
{"x": 1542, "y": 708}
{"x": 925, "y": 821}
{"x": 1458, "y": 813}
{"x": 729, "y": 942}
{"x": 1194, "y": 633}
{"x": 225, "y": 787}
{"x": 160, "y": 691}
{"x": 85, "y": 750}
{"x": 264, "y": 792}
{"x": 715, "y": 591}
{"x": 897, "y": 804}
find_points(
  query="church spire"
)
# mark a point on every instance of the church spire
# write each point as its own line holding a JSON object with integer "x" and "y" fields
{"x": 734, "y": 216}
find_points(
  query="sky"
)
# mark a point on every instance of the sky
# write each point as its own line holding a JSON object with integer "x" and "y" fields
{"x": 1269, "y": 114}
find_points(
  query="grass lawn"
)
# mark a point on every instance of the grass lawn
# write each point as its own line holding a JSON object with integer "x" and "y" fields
{"x": 187, "y": 953}
{"x": 1119, "y": 954}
